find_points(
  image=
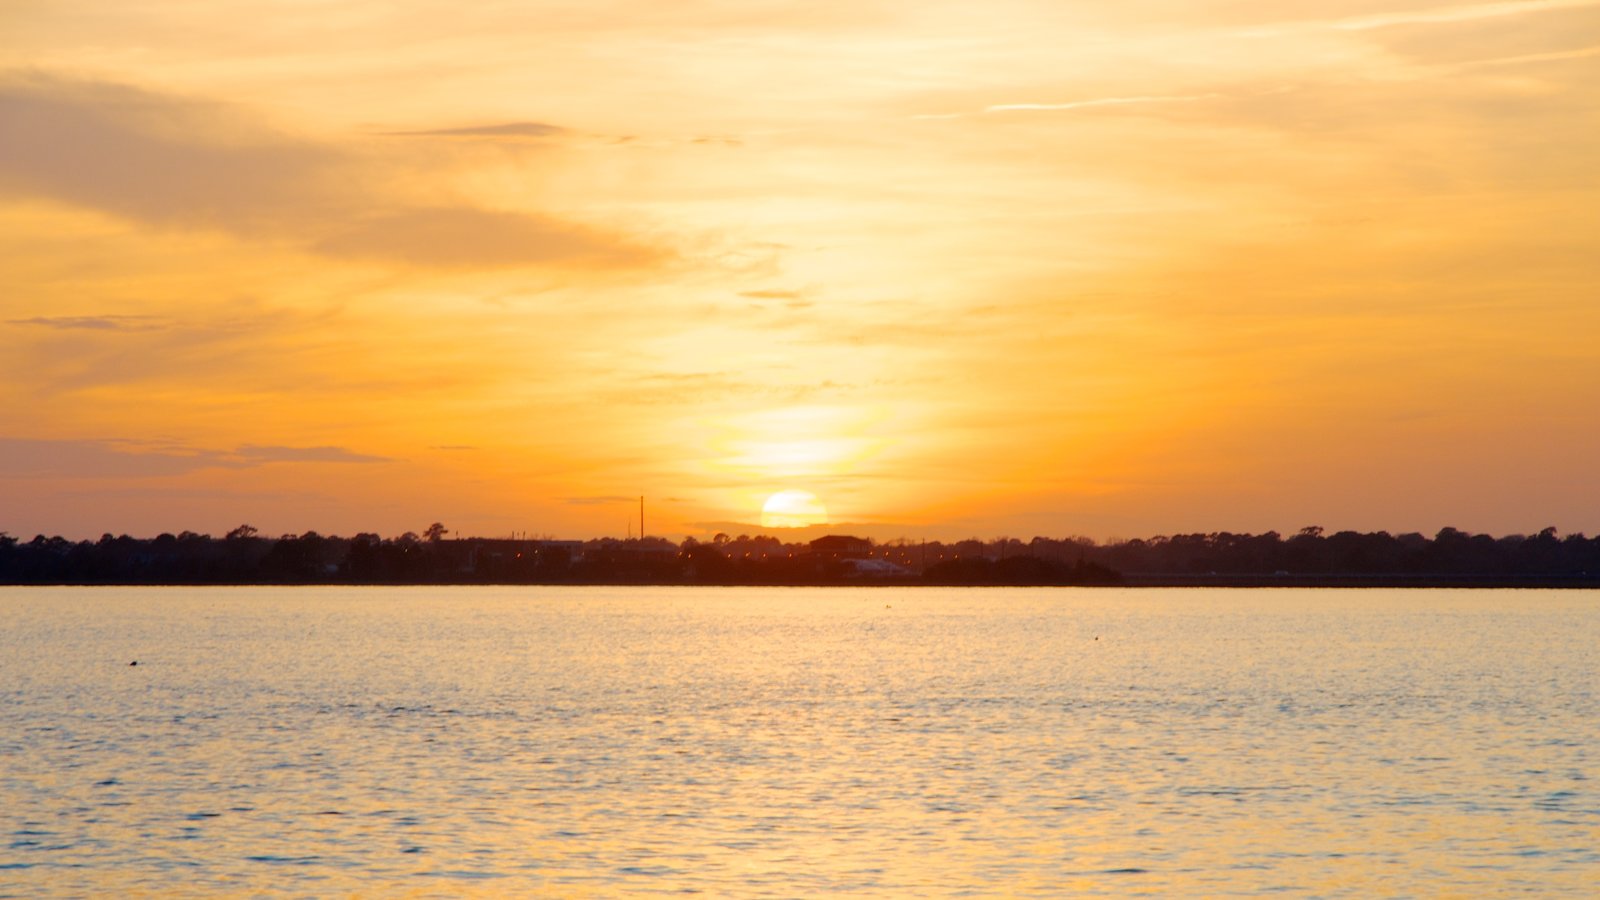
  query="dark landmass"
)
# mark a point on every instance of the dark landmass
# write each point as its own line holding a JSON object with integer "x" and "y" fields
{"x": 1308, "y": 558}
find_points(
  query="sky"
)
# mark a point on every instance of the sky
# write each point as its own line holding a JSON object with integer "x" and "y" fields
{"x": 1004, "y": 269}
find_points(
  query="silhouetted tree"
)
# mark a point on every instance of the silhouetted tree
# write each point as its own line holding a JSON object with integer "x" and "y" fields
{"x": 705, "y": 564}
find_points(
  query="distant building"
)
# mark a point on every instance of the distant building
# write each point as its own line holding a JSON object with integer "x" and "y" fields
{"x": 841, "y": 546}
{"x": 475, "y": 554}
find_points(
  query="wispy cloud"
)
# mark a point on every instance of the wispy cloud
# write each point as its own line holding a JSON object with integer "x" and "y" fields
{"x": 152, "y": 157}
{"x": 305, "y": 454}
{"x": 1070, "y": 105}
{"x": 1455, "y": 14}
{"x": 1088, "y": 104}
{"x": 1437, "y": 16}
{"x": 174, "y": 161}
{"x": 789, "y": 299}
{"x": 22, "y": 458}
{"x": 501, "y": 130}
{"x": 26, "y": 458}
{"x": 91, "y": 323}
{"x": 1528, "y": 58}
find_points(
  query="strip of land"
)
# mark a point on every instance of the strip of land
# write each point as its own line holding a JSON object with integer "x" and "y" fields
{"x": 1308, "y": 558}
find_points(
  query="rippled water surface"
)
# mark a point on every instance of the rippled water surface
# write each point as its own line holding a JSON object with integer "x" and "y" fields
{"x": 797, "y": 742}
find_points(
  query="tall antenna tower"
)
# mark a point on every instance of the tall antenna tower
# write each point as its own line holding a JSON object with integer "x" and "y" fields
{"x": 641, "y": 518}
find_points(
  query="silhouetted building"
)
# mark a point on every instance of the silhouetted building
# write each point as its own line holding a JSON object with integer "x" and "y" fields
{"x": 841, "y": 546}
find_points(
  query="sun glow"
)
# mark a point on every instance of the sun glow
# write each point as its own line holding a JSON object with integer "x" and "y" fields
{"x": 814, "y": 259}
{"x": 793, "y": 509}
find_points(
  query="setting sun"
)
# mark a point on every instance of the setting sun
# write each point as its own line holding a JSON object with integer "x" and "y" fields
{"x": 793, "y": 509}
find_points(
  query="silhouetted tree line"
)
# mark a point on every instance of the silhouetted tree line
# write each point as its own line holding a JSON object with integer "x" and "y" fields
{"x": 1310, "y": 556}
{"x": 1448, "y": 556}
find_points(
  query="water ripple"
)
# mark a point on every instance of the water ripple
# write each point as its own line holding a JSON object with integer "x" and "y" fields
{"x": 747, "y": 742}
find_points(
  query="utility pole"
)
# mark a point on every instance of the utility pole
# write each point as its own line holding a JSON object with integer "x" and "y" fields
{"x": 641, "y": 518}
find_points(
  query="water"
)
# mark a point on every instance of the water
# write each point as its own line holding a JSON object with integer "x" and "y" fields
{"x": 749, "y": 742}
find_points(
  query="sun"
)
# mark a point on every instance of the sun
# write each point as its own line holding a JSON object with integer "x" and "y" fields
{"x": 793, "y": 509}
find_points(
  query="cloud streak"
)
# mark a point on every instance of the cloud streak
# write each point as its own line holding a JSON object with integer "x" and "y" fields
{"x": 1527, "y": 59}
{"x": 1071, "y": 105}
{"x": 152, "y": 158}
{"x": 504, "y": 129}
{"x": 266, "y": 454}
{"x": 1439, "y": 16}
{"x": 177, "y": 162}
{"x": 27, "y": 458}
{"x": 1450, "y": 14}
{"x": 788, "y": 299}
{"x": 1089, "y": 104}
{"x": 91, "y": 323}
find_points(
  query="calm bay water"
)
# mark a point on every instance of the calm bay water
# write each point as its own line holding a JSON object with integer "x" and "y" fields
{"x": 798, "y": 742}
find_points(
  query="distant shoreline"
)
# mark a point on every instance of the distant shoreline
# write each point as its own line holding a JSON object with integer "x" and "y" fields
{"x": 1579, "y": 582}
{"x": 1308, "y": 559}
{"x": 1135, "y": 581}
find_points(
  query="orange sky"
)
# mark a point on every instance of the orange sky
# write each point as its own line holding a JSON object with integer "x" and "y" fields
{"x": 1011, "y": 268}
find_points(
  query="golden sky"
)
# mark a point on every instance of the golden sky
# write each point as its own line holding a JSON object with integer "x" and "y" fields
{"x": 1010, "y": 268}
